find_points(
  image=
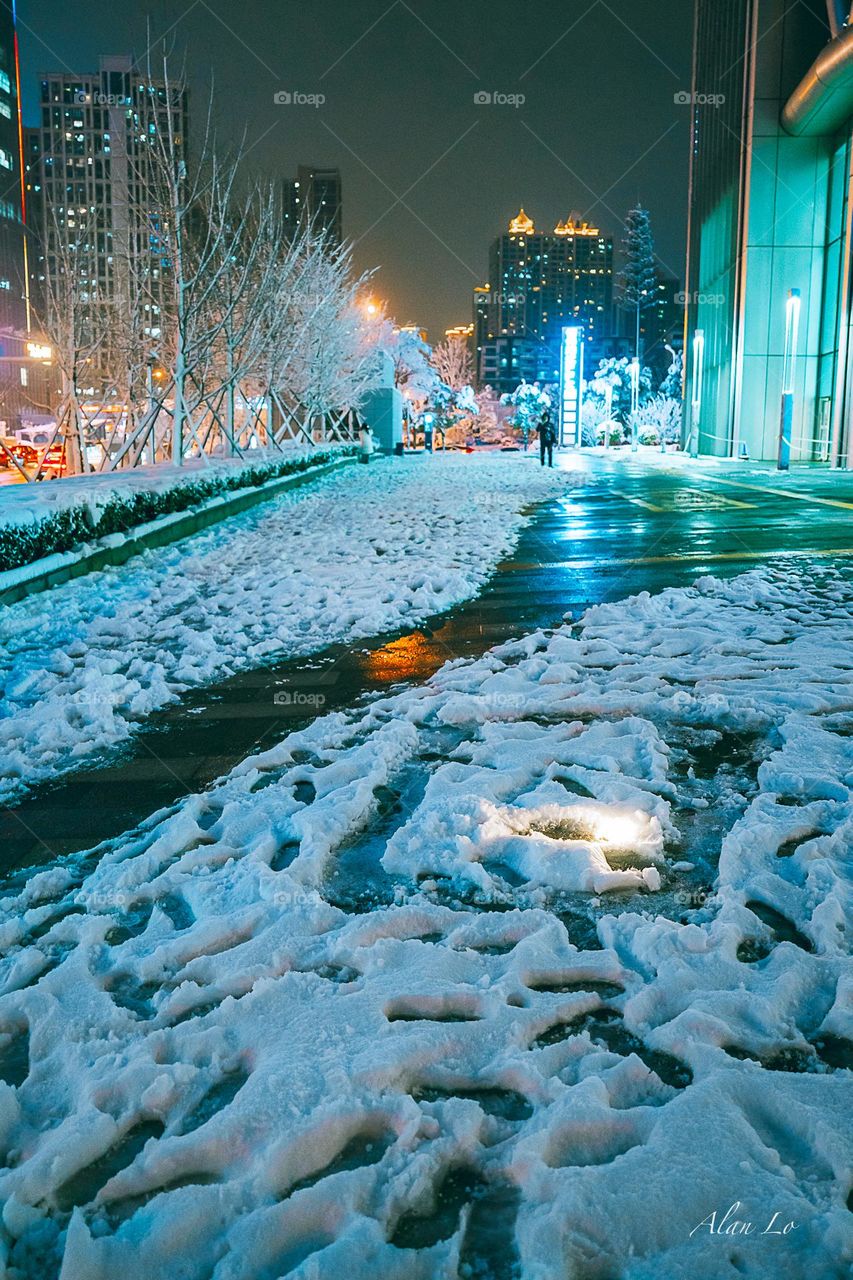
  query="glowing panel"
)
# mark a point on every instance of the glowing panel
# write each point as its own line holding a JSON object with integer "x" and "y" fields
{"x": 571, "y": 384}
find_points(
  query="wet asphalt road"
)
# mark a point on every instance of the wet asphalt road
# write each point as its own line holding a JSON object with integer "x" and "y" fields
{"x": 630, "y": 527}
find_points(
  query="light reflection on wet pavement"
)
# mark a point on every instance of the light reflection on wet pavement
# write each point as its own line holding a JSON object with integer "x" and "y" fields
{"x": 626, "y": 528}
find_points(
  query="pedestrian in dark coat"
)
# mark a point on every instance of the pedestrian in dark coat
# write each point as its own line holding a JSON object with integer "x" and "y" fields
{"x": 547, "y": 439}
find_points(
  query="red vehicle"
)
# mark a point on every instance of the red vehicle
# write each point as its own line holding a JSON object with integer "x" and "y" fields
{"x": 24, "y": 454}
{"x": 54, "y": 461}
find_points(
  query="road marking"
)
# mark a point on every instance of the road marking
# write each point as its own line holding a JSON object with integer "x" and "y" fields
{"x": 602, "y": 562}
{"x": 639, "y": 502}
{"x": 695, "y": 499}
{"x": 734, "y": 555}
{"x": 779, "y": 493}
{"x": 686, "y": 500}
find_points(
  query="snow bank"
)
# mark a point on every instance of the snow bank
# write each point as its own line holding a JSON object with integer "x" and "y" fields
{"x": 234, "y": 1048}
{"x": 358, "y": 554}
{"x": 27, "y": 503}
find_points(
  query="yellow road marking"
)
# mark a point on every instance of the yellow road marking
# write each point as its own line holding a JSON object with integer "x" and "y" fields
{"x": 779, "y": 493}
{"x": 639, "y": 502}
{"x": 671, "y": 501}
{"x": 702, "y": 557}
{"x": 734, "y": 555}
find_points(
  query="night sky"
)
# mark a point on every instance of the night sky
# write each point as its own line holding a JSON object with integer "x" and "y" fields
{"x": 429, "y": 176}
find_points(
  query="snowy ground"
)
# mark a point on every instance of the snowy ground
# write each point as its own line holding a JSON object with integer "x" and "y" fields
{"x": 526, "y": 971}
{"x": 356, "y": 554}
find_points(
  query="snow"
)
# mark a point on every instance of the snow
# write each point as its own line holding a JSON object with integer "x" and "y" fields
{"x": 276, "y": 1027}
{"x": 357, "y": 554}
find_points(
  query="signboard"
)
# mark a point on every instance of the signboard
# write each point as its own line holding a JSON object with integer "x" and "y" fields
{"x": 571, "y": 385}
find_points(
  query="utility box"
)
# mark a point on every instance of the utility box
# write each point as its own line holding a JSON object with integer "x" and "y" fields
{"x": 382, "y": 409}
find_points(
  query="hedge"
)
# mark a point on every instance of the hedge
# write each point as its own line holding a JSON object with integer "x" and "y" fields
{"x": 64, "y": 530}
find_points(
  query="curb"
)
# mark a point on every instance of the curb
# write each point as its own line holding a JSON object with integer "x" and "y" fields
{"x": 115, "y": 549}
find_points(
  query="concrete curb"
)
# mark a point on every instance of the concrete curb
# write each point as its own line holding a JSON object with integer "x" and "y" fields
{"x": 115, "y": 549}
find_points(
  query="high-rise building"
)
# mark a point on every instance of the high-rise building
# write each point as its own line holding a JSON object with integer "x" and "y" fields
{"x": 13, "y": 300}
{"x": 313, "y": 198}
{"x": 538, "y": 283}
{"x": 91, "y": 176}
{"x": 768, "y": 289}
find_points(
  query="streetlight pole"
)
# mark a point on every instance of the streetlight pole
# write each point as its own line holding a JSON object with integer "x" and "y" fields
{"x": 792, "y": 338}
{"x": 696, "y": 393}
{"x": 635, "y": 402}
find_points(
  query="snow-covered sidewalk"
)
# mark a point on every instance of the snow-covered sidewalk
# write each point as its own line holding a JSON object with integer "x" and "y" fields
{"x": 357, "y": 554}
{"x": 538, "y": 969}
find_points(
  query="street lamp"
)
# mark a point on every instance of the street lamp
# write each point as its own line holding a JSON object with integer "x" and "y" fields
{"x": 635, "y": 401}
{"x": 696, "y": 393}
{"x": 793, "y": 306}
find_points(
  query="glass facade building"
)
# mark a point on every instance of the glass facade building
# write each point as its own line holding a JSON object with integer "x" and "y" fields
{"x": 769, "y": 230}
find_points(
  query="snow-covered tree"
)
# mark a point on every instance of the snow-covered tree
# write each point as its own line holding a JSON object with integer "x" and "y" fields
{"x": 414, "y": 373}
{"x": 672, "y": 385}
{"x": 529, "y": 402}
{"x": 452, "y": 362}
{"x": 637, "y": 278}
{"x": 659, "y": 421}
{"x": 617, "y": 373}
{"x": 454, "y": 410}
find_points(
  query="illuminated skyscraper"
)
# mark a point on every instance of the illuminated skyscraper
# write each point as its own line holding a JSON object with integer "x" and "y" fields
{"x": 13, "y": 306}
{"x": 91, "y": 178}
{"x": 539, "y": 282}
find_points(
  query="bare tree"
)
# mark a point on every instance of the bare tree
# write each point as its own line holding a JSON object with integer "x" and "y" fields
{"x": 76, "y": 318}
{"x": 452, "y": 362}
{"x": 258, "y": 336}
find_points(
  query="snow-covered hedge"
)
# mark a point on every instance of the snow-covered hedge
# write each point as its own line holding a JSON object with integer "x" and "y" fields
{"x": 63, "y": 530}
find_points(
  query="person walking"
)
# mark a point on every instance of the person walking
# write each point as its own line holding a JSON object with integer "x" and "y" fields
{"x": 365, "y": 443}
{"x": 547, "y": 439}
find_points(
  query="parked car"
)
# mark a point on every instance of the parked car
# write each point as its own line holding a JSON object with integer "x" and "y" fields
{"x": 54, "y": 461}
{"x": 24, "y": 454}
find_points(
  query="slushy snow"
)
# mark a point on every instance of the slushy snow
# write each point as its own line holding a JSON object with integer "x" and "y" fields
{"x": 526, "y": 971}
{"x": 358, "y": 553}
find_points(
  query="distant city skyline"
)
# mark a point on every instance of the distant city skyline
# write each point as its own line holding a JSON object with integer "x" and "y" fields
{"x": 599, "y": 125}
